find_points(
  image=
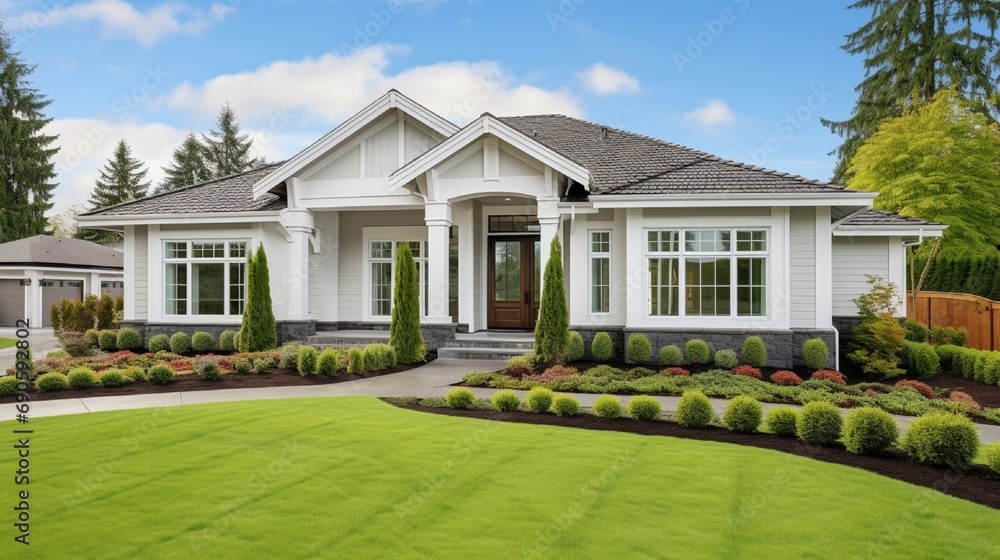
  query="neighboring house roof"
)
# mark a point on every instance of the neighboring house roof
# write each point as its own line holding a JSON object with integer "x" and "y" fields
{"x": 228, "y": 194}
{"x": 622, "y": 162}
{"x": 871, "y": 217}
{"x": 44, "y": 250}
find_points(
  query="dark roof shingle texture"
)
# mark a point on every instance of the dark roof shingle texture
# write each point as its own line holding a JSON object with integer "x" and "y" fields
{"x": 628, "y": 163}
{"x": 47, "y": 250}
{"x": 872, "y": 217}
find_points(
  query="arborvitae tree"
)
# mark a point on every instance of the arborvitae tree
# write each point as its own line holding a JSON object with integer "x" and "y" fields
{"x": 187, "y": 167}
{"x": 552, "y": 328}
{"x": 259, "y": 330}
{"x": 26, "y": 167}
{"x": 122, "y": 179}
{"x": 913, "y": 49}
{"x": 404, "y": 331}
{"x": 227, "y": 152}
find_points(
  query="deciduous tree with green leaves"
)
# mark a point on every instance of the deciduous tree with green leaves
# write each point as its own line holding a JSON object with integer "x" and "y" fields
{"x": 552, "y": 328}
{"x": 259, "y": 329}
{"x": 122, "y": 179}
{"x": 404, "y": 330}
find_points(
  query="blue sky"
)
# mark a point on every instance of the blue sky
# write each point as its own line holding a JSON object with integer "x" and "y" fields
{"x": 743, "y": 79}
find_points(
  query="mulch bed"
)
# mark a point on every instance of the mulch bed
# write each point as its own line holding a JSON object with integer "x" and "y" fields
{"x": 978, "y": 484}
{"x": 191, "y": 382}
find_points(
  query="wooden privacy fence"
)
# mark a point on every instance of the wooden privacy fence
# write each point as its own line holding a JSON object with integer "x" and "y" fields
{"x": 979, "y": 315}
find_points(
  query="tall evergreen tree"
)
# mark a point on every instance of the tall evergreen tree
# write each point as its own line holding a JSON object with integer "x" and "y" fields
{"x": 912, "y": 50}
{"x": 259, "y": 330}
{"x": 122, "y": 179}
{"x": 227, "y": 152}
{"x": 552, "y": 328}
{"x": 187, "y": 167}
{"x": 26, "y": 167}
{"x": 404, "y": 330}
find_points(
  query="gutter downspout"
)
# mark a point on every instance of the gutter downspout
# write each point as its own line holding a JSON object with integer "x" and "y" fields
{"x": 836, "y": 347}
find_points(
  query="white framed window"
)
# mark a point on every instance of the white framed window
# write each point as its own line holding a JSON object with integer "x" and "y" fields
{"x": 204, "y": 277}
{"x": 600, "y": 272}
{"x": 382, "y": 273}
{"x": 703, "y": 273}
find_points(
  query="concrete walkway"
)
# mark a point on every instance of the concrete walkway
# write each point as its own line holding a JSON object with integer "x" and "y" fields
{"x": 41, "y": 341}
{"x": 433, "y": 379}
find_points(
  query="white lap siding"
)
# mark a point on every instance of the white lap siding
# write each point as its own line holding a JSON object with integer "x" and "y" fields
{"x": 802, "y": 267}
{"x": 853, "y": 258}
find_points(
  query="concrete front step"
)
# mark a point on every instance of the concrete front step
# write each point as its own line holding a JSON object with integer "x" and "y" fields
{"x": 498, "y": 344}
{"x": 480, "y": 353}
{"x": 352, "y": 342}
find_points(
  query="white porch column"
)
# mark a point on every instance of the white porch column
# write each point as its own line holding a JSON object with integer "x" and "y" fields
{"x": 466, "y": 257}
{"x": 295, "y": 276}
{"x": 438, "y": 218}
{"x": 635, "y": 271}
{"x": 548, "y": 219}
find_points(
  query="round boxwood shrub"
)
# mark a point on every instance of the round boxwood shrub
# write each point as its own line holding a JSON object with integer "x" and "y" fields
{"x": 869, "y": 431}
{"x": 539, "y": 399}
{"x": 202, "y": 342}
{"x": 945, "y": 440}
{"x": 638, "y": 349}
{"x": 180, "y": 343}
{"x": 694, "y": 410}
{"x": 815, "y": 353}
{"x": 783, "y": 421}
{"x": 992, "y": 455}
{"x": 307, "y": 361}
{"x": 112, "y": 378}
{"x": 328, "y": 363}
{"x": 671, "y": 356}
{"x": 697, "y": 351}
{"x": 565, "y": 405}
{"x": 160, "y": 374}
{"x": 601, "y": 349}
{"x": 819, "y": 423}
{"x": 128, "y": 339}
{"x": 505, "y": 401}
{"x": 8, "y": 385}
{"x": 743, "y": 415}
{"x": 107, "y": 340}
{"x": 227, "y": 341}
{"x": 754, "y": 351}
{"x": 726, "y": 359}
{"x": 50, "y": 382}
{"x": 574, "y": 347}
{"x": 91, "y": 337}
{"x": 924, "y": 361}
{"x": 607, "y": 406}
{"x": 643, "y": 407}
{"x": 81, "y": 378}
{"x": 460, "y": 397}
{"x": 158, "y": 343}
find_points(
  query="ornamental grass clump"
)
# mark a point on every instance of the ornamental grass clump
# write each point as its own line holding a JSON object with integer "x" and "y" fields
{"x": 460, "y": 397}
{"x": 819, "y": 423}
{"x": 601, "y": 348}
{"x": 942, "y": 440}
{"x": 565, "y": 405}
{"x": 638, "y": 349}
{"x": 869, "y": 431}
{"x": 671, "y": 355}
{"x": 539, "y": 399}
{"x": 505, "y": 401}
{"x": 643, "y": 407}
{"x": 782, "y": 421}
{"x": 694, "y": 410}
{"x": 607, "y": 406}
{"x": 743, "y": 415}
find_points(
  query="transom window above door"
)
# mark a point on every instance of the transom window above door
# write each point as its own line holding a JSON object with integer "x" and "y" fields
{"x": 514, "y": 224}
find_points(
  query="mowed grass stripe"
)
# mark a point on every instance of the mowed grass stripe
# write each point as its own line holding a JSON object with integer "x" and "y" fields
{"x": 335, "y": 477}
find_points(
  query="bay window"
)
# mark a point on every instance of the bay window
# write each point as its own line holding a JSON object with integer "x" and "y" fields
{"x": 205, "y": 277}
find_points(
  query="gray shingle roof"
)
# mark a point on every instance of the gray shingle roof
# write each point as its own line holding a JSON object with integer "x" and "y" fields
{"x": 57, "y": 251}
{"x": 228, "y": 194}
{"x": 882, "y": 218}
{"x": 628, "y": 163}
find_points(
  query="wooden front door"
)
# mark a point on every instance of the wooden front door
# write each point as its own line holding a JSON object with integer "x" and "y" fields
{"x": 514, "y": 282}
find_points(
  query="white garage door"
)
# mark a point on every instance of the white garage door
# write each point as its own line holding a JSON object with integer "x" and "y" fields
{"x": 58, "y": 290}
{"x": 11, "y": 303}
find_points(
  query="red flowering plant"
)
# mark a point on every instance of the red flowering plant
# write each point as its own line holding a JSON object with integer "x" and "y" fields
{"x": 785, "y": 377}
{"x": 747, "y": 371}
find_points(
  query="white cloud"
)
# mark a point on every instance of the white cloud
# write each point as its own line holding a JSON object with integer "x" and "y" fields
{"x": 605, "y": 80}
{"x": 713, "y": 114}
{"x": 118, "y": 18}
{"x": 333, "y": 87}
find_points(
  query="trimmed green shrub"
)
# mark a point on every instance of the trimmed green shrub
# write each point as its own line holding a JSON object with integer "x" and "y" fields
{"x": 135, "y": 373}
{"x": 243, "y": 365}
{"x": 869, "y": 431}
{"x": 754, "y": 351}
{"x": 607, "y": 406}
{"x": 574, "y": 347}
{"x": 726, "y": 359}
{"x": 378, "y": 357}
{"x": 112, "y": 378}
{"x": 180, "y": 343}
{"x": 460, "y": 397}
{"x": 107, "y": 340}
{"x": 261, "y": 366}
{"x": 92, "y": 336}
{"x": 638, "y": 349}
{"x": 53, "y": 318}
{"x": 505, "y": 401}
{"x": 158, "y": 343}
{"x": 694, "y": 410}
{"x": 50, "y": 382}
{"x": 404, "y": 330}
{"x": 945, "y": 440}
{"x": 539, "y": 399}
{"x": 307, "y": 361}
{"x": 992, "y": 455}
{"x": 916, "y": 332}
{"x": 949, "y": 335}
{"x": 565, "y": 405}
{"x": 290, "y": 355}
{"x": 160, "y": 374}
{"x": 236, "y": 340}
{"x": 552, "y": 327}
{"x": 128, "y": 339}
{"x": 819, "y": 423}
{"x": 783, "y": 421}
{"x": 815, "y": 353}
{"x": 355, "y": 361}
{"x": 207, "y": 369}
{"x": 329, "y": 363}
{"x": 697, "y": 351}
{"x": 643, "y": 407}
{"x": 743, "y": 415}
{"x": 227, "y": 341}
{"x": 8, "y": 385}
{"x": 81, "y": 378}
{"x": 601, "y": 348}
{"x": 924, "y": 361}
{"x": 202, "y": 342}
{"x": 671, "y": 356}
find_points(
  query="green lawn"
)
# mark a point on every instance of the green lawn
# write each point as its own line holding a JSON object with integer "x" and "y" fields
{"x": 7, "y": 342}
{"x": 353, "y": 477}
